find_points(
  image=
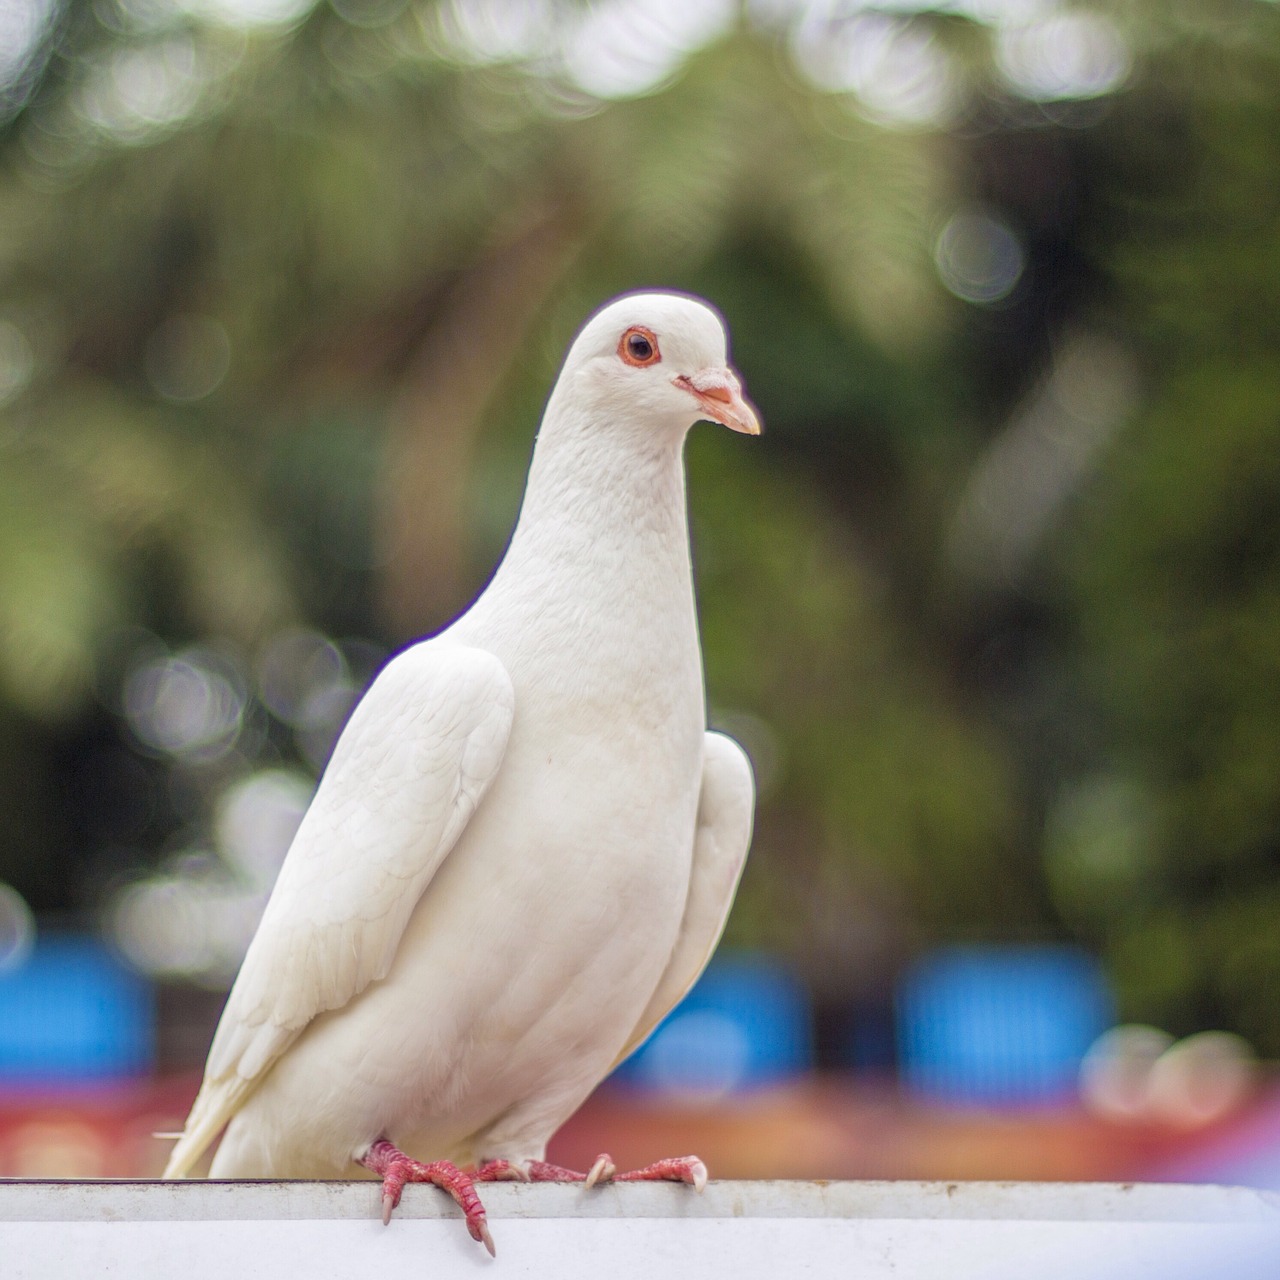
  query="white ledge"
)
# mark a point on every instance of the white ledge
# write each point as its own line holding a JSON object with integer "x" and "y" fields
{"x": 738, "y": 1230}
{"x": 83, "y": 1200}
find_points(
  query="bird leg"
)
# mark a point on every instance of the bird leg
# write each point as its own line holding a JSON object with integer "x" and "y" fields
{"x": 397, "y": 1169}
{"x": 687, "y": 1169}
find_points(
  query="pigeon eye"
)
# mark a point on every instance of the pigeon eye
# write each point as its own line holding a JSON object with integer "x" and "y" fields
{"x": 639, "y": 347}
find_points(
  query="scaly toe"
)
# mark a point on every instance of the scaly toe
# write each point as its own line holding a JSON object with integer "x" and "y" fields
{"x": 500, "y": 1171}
{"x": 688, "y": 1169}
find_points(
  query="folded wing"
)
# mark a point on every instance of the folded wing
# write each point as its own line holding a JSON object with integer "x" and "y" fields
{"x": 726, "y": 807}
{"x": 414, "y": 761}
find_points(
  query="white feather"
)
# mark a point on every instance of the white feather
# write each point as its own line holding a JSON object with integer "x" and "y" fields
{"x": 418, "y": 754}
{"x": 726, "y": 808}
{"x": 525, "y": 846}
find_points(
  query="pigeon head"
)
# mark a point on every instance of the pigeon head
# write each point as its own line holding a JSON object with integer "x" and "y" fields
{"x": 658, "y": 360}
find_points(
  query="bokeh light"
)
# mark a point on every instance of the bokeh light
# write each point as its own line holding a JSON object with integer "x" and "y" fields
{"x": 1064, "y": 55}
{"x": 1115, "y": 1074}
{"x": 159, "y": 926}
{"x": 1140, "y": 1074}
{"x": 58, "y": 1148}
{"x": 191, "y": 704}
{"x": 497, "y": 30}
{"x": 898, "y": 72}
{"x": 978, "y": 257}
{"x": 294, "y": 667}
{"x": 22, "y": 23}
{"x": 17, "y": 361}
{"x": 17, "y": 929}
{"x": 324, "y": 714}
{"x": 187, "y": 357}
{"x": 194, "y": 920}
{"x": 137, "y": 90}
{"x": 1202, "y": 1078}
{"x": 250, "y": 14}
{"x": 305, "y": 680}
{"x": 257, "y": 818}
{"x": 618, "y": 49}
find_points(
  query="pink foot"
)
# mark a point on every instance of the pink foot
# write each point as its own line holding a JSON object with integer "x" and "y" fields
{"x": 499, "y": 1171}
{"x": 674, "y": 1169}
{"x": 397, "y": 1169}
{"x": 602, "y": 1171}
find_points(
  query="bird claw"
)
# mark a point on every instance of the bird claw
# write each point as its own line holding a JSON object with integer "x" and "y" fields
{"x": 602, "y": 1171}
{"x": 688, "y": 1169}
{"x": 396, "y": 1169}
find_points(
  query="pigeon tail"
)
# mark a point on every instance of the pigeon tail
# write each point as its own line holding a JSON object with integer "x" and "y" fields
{"x": 213, "y": 1108}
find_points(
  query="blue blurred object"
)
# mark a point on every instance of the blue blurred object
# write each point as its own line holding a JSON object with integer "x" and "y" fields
{"x": 745, "y": 1023}
{"x": 73, "y": 1014}
{"x": 1000, "y": 1024}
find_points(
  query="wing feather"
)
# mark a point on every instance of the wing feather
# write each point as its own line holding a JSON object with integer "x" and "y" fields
{"x": 726, "y": 808}
{"x": 414, "y": 761}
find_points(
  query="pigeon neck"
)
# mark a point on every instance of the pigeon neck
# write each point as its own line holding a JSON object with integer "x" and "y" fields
{"x": 603, "y": 518}
{"x": 606, "y": 480}
{"x": 596, "y": 589}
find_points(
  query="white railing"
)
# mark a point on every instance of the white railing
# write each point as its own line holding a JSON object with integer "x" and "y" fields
{"x": 737, "y": 1230}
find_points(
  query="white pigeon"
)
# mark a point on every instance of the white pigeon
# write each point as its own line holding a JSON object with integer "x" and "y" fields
{"x": 524, "y": 848}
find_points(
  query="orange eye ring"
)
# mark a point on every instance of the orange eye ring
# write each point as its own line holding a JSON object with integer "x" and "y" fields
{"x": 638, "y": 347}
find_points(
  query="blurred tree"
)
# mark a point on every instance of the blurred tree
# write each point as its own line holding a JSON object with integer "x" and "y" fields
{"x": 282, "y": 290}
{"x": 1175, "y": 562}
{"x": 353, "y": 215}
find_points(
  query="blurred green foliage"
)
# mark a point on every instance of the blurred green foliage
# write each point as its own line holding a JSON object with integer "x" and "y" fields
{"x": 278, "y": 310}
{"x": 1175, "y": 559}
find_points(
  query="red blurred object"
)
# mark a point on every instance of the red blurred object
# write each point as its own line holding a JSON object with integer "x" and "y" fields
{"x": 822, "y": 1127}
{"x": 104, "y": 1131}
{"x": 836, "y": 1127}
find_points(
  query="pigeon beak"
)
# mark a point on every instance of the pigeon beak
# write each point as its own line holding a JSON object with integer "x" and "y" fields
{"x": 720, "y": 399}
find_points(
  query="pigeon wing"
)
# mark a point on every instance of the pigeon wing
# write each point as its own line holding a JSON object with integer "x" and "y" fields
{"x": 416, "y": 757}
{"x": 726, "y": 807}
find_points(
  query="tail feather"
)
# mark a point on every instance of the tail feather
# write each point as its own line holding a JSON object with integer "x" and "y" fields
{"x": 214, "y": 1106}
